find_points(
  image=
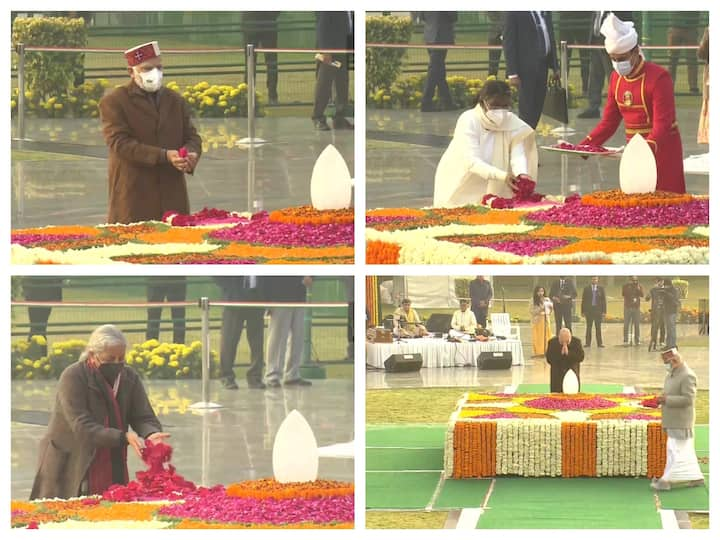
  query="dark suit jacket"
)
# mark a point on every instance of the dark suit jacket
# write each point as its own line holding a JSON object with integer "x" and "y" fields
{"x": 77, "y": 428}
{"x": 569, "y": 290}
{"x": 521, "y": 43}
{"x": 285, "y": 288}
{"x": 233, "y": 288}
{"x": 333, "y": 30}
{"x": 587, "y": 300}
{"x": 439, "y": 26}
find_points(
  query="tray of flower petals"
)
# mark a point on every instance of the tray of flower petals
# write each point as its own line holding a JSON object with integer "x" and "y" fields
{"x": 583, "y": 149}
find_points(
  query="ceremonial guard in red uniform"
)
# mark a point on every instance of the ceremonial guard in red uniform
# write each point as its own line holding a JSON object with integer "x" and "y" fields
{"x": 641, "y": 94}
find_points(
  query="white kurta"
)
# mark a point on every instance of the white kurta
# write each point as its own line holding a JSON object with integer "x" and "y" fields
{"x": 480, "y": 156}
{"x": 464, "y": 321}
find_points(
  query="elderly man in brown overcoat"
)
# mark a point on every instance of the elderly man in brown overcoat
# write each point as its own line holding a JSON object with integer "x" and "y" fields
{"x": 85, "y": 448}
{"x": 151, "y": 140}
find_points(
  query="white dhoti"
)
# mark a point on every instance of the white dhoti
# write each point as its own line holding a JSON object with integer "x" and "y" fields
{"x": 681, "y": 464}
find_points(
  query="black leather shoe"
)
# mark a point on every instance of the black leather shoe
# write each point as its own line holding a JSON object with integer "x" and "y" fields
{"x": 428, "y": 108}
{"x": 229, "y": 384}
{"x": 297, "y": 382}
{"x": 589, "y": 113}
{"x": 586, "y": 345}
{"x": 258, "y": 385}
{"x": 321, "y": 124}
{"x": 601, "y": 346}
{"x": 342, "y": 123}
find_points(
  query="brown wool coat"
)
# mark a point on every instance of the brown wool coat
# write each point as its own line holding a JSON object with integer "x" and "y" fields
{"x": 77, "y": 428}
{"x": 142, "y": 185}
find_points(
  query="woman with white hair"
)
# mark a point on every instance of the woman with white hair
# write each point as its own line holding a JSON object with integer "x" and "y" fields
{"x": 85, "y": 448}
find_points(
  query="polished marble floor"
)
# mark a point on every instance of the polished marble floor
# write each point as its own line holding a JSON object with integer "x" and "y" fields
{"x": 73, "y": 190}
{"x": 228, "y": 445}
{"x": 630, "y": 366}
{"x": 404, "y": 148}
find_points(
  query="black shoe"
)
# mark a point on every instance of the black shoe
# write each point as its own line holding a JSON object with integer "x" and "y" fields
{"x": 229, "y": 384}
{"x": 601, "y": 346}
{"x": 297, "y": 382}
{"x": 587, "y": 345}
{"x": 695, "y": 91}
{"x": 259, "y": 385}
{"x": 589, "y": 113}
{"x": 428, "y": 108}
{"x": 273, "y": 384}
{"x": 321, "y": 124}
{"x": 342, "y": 123}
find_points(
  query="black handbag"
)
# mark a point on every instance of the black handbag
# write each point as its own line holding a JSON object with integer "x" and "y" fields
{"x": 555, "y": 105}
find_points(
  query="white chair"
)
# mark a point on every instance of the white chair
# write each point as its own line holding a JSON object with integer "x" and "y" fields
{"x": 501, "y": 326}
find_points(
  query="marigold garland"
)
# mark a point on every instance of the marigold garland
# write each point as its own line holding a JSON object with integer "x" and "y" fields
{"x": 616, "y": 198}
{"x": 379, "y": 252}
{"x": 307, "y": 215}
{"x": 269, "y": 488}
{"x": 657, "y": 451}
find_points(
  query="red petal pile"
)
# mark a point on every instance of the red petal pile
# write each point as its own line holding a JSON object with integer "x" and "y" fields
{"x": 650, "y": 402}
{"x": 159, "y": 482}
{"x": 580, "y": 147}
{"x": 523, "y": 191}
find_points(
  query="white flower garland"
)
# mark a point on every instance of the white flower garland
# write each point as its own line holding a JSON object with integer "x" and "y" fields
{"x": 531, "y": 447}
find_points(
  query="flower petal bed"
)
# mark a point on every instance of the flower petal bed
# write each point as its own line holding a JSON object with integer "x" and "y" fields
{"x": 607, "y": 227}
{"x": 555, "y": 435}
{"x": 162, "y": 498}
{"x": 300, "y": 235}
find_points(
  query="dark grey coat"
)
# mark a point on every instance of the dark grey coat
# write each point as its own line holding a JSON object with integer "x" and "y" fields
{"x": 77, "y": 428}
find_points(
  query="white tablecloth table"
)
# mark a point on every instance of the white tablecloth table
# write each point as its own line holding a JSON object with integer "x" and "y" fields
{"x": 437, "y": 352}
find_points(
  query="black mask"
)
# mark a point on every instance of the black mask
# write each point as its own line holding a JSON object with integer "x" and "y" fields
{"x": 110, "y": 371}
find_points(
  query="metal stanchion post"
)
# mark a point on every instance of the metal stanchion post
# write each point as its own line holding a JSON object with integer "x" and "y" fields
{"x": 21, "y": 91}
{"x": 205, "y": 404}
{"x": 308, "y": 368}
{"x": 250, "y": 140}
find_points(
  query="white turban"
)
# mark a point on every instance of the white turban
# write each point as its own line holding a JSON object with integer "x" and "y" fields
{"x": 620, "y": 36}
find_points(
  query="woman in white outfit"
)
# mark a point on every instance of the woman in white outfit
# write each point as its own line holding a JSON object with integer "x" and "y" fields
{"x": 490, "y": 148}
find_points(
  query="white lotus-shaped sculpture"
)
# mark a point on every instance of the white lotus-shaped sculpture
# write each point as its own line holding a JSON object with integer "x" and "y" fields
{"x": 571, "y": 385}
{"x": 330, "y": 184}
{"x": 295, "y": 452}
{"x": 638, "y": 169}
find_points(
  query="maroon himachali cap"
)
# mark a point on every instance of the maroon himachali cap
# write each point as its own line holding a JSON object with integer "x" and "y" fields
{"x": 142, "y": 53}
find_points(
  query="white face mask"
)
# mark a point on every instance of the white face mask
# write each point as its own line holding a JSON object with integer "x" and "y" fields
{"x": 668, "y": 367}
{"x": 497, "y": 116}
{"x": 150, "y": 81}
{"x": 623, "y": 68}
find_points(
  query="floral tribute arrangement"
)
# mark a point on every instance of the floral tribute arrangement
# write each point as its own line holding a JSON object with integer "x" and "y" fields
{"x": 607, "y": 227}
{"x": 555, "y": 435}
{"x": 162, "y": 498}
{"x": 298, "y": 235}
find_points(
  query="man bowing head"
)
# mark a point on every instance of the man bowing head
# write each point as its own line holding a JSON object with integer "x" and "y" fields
{"x": 640, "y": 93}
{"x": 151, "y": 142}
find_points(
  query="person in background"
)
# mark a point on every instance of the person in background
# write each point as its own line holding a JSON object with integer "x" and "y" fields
{"x": 172, "y": 289}
{"x": 529, "y": 47}
{"x": 407, "y": 322}
{"x": 41, "y": 289}
{"x": 540, "y": 309}
{"x": 333, "y": 30}
{"x": 145, "y": 126}
{"x": 640, "y": 94}
{"x": 234, "y": 319}
{"x": 683, "y": 30}
{"x": 563, "y": 293}
{"x": 594, "y": 308}
{"x": 286, "y": 322}
{"x": 260, "y": 29}
{"x": 703, "y": 136}
{"x": 632, "y": 293}
{"x": 496, "y": 24}
{"x": 564, "y": 353}
{"x": 439, "y": 30}
{"x": 671, "y": 307}
{"x": 600, "y": 67}
{"x": 98, "y": 399}
{"x": 573, "y": 27}
{"x": 481, "y": 294}
{"x": 677, "y": 403}
{"x": 491, "y": 148}
{"x": 656, "y": 295}
{"x": 463, "y": 319}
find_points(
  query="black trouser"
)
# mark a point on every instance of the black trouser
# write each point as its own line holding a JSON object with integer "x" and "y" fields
{"x": 657, "y": 324}
{"x": 494, "y": 38}
{"x": 531, "y": 96}
{"x": 599, "y": 71}
{"x": 436, "y": 79}
{"x": 594, "y": 316}
{"x": 39, "y": 317}
{"x": 325, "y": 76}
{"x": 41, "y": 290}
{"x": 481, "y": 314}
{"x": 266, "y": 39}
{"x": 172, "y": 289}
{"x": 351, "y": 331}
{"x": 563, "y": 313}
{"x": 234, "y": 319}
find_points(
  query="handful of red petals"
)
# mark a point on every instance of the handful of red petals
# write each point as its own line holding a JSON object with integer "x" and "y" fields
{"x": 650, "y": 402}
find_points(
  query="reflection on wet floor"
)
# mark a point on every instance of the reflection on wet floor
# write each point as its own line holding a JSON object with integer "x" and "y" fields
{"x": 632, "y": 366}
{"x": 220, "y": 447}
{"x": 73, "y": 190}
{"x": 404, "y": 148}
